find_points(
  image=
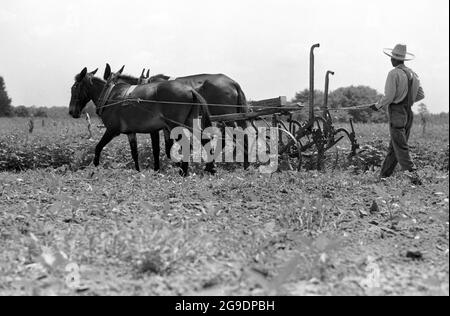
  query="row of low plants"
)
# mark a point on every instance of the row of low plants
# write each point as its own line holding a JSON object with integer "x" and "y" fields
{"x": 78, "y": 153}
{"x": 15, "y": 157}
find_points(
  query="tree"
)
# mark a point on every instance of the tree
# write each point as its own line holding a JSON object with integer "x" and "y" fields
{"x": 346, "y": 97}
{"x": 355, "y": 96}
{"x": 20, "y": 111}
{"x": 39, "y": 112}
{"x": 5, "y": 101}
{"x": 423, "y": 109}
{"x": 303, "y": 97}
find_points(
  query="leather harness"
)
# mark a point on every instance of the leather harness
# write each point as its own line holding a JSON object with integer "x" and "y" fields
{"x": 106, "y": 93}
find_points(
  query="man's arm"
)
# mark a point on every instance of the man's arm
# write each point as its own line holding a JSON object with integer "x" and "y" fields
{"x": 389, "y": 91}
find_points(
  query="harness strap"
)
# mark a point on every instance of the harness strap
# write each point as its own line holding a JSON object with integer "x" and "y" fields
{"x": 104, "y": 96}
{"x": 409, "y": 97}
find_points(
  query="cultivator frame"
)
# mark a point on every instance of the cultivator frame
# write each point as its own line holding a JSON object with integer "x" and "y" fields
{"x": 309, "y": 138}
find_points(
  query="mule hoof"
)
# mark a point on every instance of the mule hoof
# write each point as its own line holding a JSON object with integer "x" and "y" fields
{"x": 184, "y": 174}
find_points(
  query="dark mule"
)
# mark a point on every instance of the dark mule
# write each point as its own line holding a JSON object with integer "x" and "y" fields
{"x": 143, "y": 79}
{"x": 137, "y": 117}
{"x": 216, "y": 89}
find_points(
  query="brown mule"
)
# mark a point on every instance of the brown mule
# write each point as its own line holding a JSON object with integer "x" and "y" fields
{"x": 216, "y": 89}
{"x": 137, "y": 117}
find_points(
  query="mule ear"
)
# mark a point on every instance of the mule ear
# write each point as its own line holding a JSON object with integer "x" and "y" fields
{"x": 107, "y": 72}
{"x": 121, "y": 70}
{"x": 94, "y": 72}
{"x": 143, "y": 73}
{"x": 82, "y": 74}
{"x": 148, "y": 74}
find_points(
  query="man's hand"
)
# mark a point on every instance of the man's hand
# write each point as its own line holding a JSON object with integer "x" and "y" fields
{"x": 373, "y": 107}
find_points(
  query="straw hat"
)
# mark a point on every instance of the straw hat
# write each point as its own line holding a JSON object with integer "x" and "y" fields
{"x": 399, "y": 52}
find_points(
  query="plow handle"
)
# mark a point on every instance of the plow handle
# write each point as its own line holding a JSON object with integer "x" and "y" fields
{"x": 311, "y": 82}
{"x": 326, "y": 114}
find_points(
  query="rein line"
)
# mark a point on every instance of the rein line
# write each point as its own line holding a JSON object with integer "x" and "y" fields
{"x": 139, "y": 101}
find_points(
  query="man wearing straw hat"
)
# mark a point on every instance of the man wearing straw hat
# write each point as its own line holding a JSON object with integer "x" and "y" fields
{"x": 402, "y": 90}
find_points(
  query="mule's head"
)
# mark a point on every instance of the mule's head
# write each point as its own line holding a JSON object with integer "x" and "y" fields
{"x": 80, "y": 92}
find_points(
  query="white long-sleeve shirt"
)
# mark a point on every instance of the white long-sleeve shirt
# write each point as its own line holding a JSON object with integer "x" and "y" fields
{"x": 396, "y": 88}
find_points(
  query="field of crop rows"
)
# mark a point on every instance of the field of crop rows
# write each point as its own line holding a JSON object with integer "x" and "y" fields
{"x": 68, "y": 228}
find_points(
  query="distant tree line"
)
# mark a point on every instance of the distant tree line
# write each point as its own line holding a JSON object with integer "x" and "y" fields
{"x": 23, "y": 111}
{"x": 5, "y": 101}
{"x": 20, "y": 111}
{"x": 343, "y": 98}
{"x": 7, "y": 110}
{"x": 425, "y": 117}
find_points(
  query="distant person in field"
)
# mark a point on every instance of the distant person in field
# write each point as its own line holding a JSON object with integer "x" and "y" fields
{"x": 402, "y": 90}
{"x": 424, "y": 123}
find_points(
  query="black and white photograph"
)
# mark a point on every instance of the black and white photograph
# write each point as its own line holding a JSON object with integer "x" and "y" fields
{"x": 225, "y": 154}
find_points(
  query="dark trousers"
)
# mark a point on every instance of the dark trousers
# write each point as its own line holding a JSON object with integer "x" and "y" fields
{"x": 401, "y": 121}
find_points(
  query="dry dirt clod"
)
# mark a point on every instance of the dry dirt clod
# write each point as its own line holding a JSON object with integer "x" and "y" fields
{"x": 363, "y": 213}
{"x": 415, "y": 255}
{"x": 374, "y": 208}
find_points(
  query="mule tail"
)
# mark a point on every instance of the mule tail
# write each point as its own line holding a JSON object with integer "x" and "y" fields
{"x": 206, "y": 115}
{"x": 242, "y": 100}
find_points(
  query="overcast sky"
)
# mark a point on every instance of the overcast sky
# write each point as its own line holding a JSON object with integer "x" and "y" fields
{"x": 262, "y": 44}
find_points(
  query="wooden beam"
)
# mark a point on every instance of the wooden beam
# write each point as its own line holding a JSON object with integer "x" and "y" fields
{"x": 275, "y": 102}
{"x": 254, "y": 115}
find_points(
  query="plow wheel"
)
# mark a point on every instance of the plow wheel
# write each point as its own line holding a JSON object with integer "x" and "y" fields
{"x": 268, "y": 146}
{"x": 331, "y": 137}
{"x": 352, "y": 137}
{"x": 285, "y": 137}
{"x": 342, "y": 133}
{"x": 314, "y": 140}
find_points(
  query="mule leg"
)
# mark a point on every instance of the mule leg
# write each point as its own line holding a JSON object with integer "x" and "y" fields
{"x": 210, "y": 166}
{"x": 168, "y": 142}
{"x": 134, "y": 150}
{"x": 184, "y": 169}
{"x": 156, "y": 149}
{"x": 106, "y": 139}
